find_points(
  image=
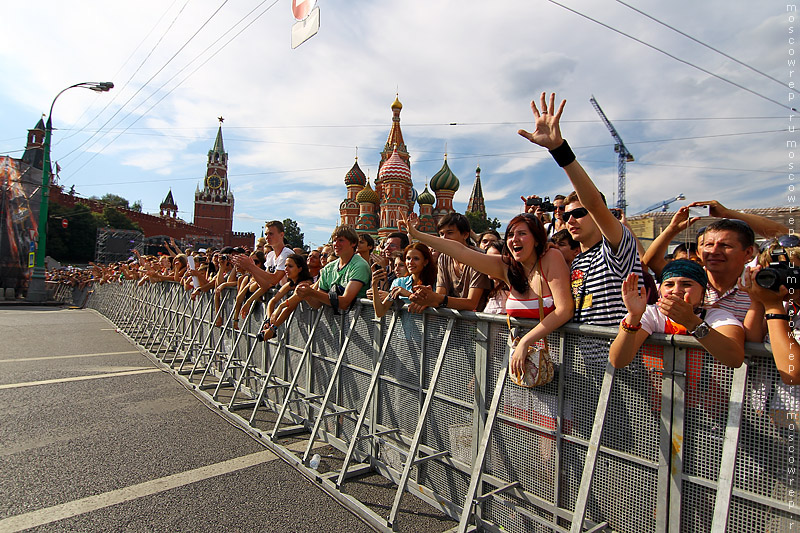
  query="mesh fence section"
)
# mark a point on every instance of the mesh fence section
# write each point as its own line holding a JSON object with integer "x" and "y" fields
{"x": 541, "y": 435}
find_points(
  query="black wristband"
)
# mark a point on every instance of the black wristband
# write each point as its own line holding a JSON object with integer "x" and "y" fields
{"x": 776, "y": 316}
{"x": 563, "y": 154}
{"x": 444, "y": 301}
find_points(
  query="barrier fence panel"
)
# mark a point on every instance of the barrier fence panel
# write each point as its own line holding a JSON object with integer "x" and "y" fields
{"x": 673, "y": 442}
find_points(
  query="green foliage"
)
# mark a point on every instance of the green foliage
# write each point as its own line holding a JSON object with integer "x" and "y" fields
{"x": 292, "y": 234}
{"x": 115, "y": 200}
{"x": 113, "y": 218}
{"x": 137, "y": 206}
{"x": 480, "y": 223}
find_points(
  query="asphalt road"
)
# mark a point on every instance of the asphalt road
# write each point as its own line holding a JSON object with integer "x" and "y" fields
{"x": 94, "y": 437}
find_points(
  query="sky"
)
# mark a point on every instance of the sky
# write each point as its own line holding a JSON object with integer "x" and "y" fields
{"x": 710, "y": 124}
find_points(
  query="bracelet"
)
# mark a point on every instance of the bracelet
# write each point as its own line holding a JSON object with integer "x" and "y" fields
{"x": 630, "y": 329}
{"x": 563, "y": 154}
{"x": 444, "y": 302}
{"x": 776, "y": 316}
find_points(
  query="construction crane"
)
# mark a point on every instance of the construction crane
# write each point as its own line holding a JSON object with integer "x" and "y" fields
{"x": 663, "y": 204}
{"x": 624, "y": 155}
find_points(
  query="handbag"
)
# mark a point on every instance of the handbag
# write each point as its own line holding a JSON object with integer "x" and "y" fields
{"x": 538, "y": 368}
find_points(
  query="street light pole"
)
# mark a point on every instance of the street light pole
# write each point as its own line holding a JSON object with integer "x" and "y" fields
{"x": 36, "y": 289}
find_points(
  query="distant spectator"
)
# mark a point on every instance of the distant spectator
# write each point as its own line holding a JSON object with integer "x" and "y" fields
{"x": 570, "y": 248}
{"x": 421, "y": 271}
{"x": 486, "y": 238}
{"x": 366, "y": 245}
{"x": 458, "y": 285}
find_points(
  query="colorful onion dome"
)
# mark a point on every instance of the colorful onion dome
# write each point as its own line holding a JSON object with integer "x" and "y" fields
{"x": 444, "y": 179}
{"x": 367, "y": 195}
{"x": 396, "y": 104}
{"x": 414, "y": 196}
{"x": 355, "y": 176}
{"x": 426, "y": 197}
{"x": 394, "y": 169}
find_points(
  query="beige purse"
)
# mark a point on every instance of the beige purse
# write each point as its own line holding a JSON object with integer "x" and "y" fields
{"x": 538, "y": 369}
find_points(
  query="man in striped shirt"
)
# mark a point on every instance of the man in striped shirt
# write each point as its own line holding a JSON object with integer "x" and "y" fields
{"x": 608, "y": 248}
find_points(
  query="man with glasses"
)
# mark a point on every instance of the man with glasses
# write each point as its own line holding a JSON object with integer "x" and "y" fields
{"x": 727, "y": 245}
{"x": 608, "y": 248}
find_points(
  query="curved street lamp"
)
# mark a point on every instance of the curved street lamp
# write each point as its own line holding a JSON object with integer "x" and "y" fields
{"x": 36, "y": 289}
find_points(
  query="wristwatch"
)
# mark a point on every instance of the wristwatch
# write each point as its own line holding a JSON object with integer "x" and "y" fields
{"x": 701, "y": 330}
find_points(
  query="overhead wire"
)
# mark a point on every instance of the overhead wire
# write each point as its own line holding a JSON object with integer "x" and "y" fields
{"x": 124, "y": 85}
{"x": 188, "y": 76}
{"x": 146, "y": 83}
{"x": 672, "y": 56}
{"x": 706, "y": 45}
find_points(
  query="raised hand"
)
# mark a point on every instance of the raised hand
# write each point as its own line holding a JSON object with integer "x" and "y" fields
{"x": 548, "y": 131}
{"x": 634, "y": 297}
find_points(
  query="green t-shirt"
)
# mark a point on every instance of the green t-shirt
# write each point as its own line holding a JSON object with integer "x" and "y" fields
{"x": 357, "y": 269}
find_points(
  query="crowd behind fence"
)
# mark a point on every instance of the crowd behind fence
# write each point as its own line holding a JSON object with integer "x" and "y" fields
{"x": 673, "y": 442}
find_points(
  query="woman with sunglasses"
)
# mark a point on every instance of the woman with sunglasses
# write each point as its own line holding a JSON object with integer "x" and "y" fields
{"x": 538, "y": 277}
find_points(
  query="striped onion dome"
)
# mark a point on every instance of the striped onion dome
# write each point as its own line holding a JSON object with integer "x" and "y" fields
{"x": 394, "y": 169}
{"x": 426, "y": 197}
{"x": 367, "y": 195}
{"x": 355, "y": 176}
{"x": 444, "y": 179}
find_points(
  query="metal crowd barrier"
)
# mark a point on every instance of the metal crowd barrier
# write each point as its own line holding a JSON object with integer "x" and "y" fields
{"x": 674, "y": 442}
{"x": 67, "y": 293}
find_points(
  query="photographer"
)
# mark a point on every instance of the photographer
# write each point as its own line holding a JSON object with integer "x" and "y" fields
{"x": 776, "y": 269}
{"x": 548, "y": 212}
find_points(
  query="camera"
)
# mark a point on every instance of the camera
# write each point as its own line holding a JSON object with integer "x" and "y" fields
{"x": 778, "y": 274}
{"x": 545, "y": 205}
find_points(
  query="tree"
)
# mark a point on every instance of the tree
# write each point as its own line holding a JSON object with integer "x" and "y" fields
{"x": 292, "y": 234}
{"x": 114, "y": 218}
{"x": 113, "y": 200}
{"x": 479, "y": 223}
{"x": 137, "y": 206}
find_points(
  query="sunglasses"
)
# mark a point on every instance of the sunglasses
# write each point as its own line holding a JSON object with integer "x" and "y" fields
{"x": 577, "y": 213}
{"x": 784, "y": 241}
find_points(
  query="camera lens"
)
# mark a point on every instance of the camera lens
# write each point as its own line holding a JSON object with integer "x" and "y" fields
{"x": 768, "y": 278}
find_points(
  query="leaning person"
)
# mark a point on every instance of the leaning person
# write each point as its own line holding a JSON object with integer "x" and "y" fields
{"x": 534, "y": 273}
{"x": 277, "y": 311}
{"x": 341, "y": 280}
{"x": 422, "y": 271}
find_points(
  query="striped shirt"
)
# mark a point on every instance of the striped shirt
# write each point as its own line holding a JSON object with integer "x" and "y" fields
{"x": 597, "y": 276}
{"x": 734, "y": 301}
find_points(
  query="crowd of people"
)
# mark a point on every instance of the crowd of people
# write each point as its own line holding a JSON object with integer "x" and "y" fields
{"x": 569, "y": 259}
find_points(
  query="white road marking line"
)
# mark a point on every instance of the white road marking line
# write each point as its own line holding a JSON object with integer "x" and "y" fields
{"x": 114, "y": 497}
{"x": 65, "y": 356}
{"x": 78, "y": 378}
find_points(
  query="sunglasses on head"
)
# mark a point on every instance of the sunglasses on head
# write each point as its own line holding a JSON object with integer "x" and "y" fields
{"x": 577, "y": 213}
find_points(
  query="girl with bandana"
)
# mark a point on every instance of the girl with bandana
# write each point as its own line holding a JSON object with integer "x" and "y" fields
{"x": 678, "y": 311}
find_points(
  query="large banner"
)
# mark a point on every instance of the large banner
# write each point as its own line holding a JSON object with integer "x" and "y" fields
{"x": 20, "y": 186}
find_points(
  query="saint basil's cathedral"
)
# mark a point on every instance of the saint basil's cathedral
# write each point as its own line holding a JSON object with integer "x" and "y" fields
{"x": 377, "y": 211}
